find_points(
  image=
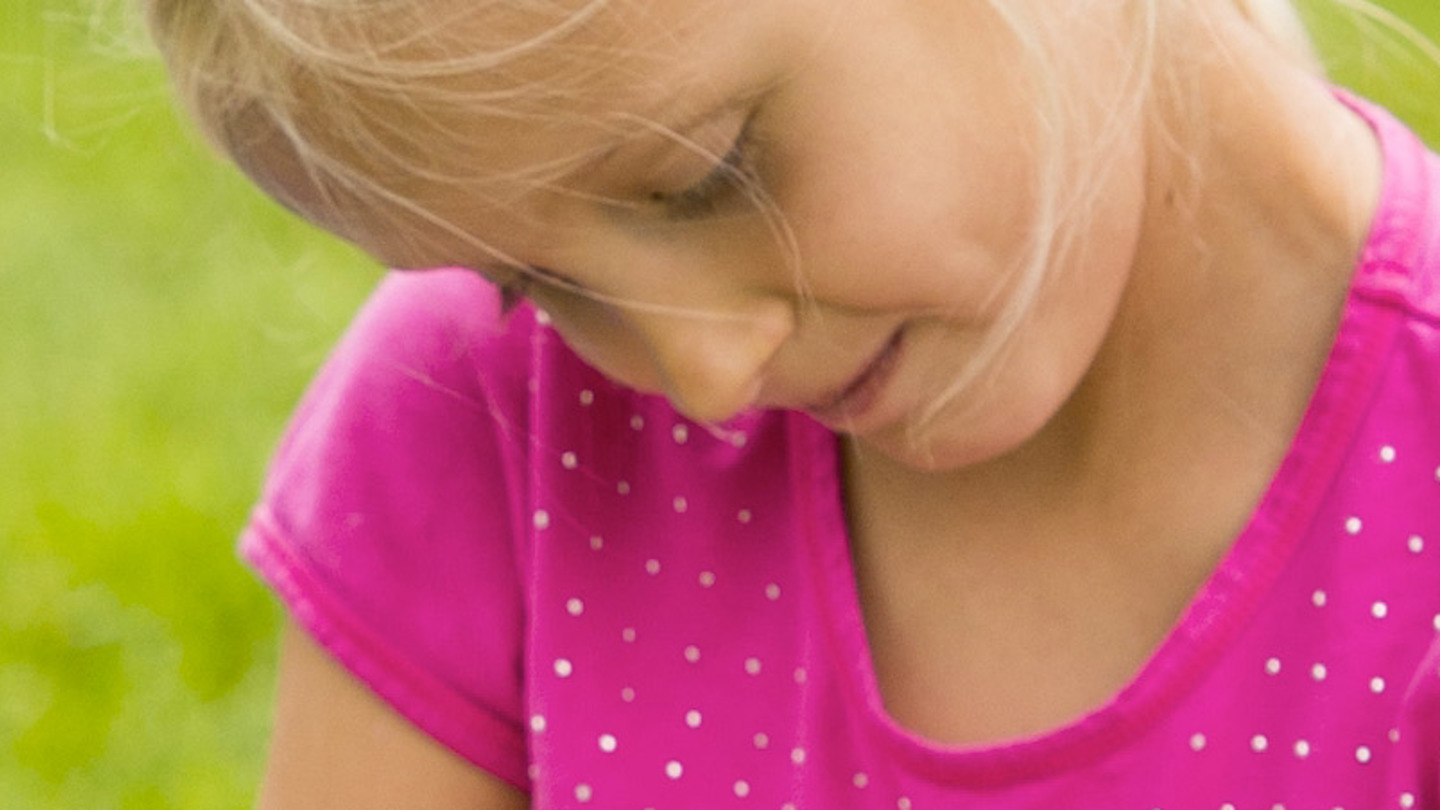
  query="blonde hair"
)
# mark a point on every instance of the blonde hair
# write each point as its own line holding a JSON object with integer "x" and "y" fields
{"x": 275, "y": 85}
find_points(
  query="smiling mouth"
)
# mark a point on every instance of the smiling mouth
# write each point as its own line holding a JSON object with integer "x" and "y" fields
{"x": 863, "y": 391}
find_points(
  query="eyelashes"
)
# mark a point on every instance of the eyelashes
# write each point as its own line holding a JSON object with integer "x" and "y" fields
{"x": 734, "y": 172}
{"x": 732, "y": 177}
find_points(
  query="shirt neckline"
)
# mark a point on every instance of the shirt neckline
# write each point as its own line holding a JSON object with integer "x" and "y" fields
{"x": 1233, "y": 592}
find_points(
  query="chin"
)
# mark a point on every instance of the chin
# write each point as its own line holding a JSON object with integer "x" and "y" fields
{"x": 937, "y": 454}
{"x": 956, "y": 440}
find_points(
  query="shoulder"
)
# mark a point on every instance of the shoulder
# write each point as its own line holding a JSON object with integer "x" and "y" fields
{"x": 430, "y": 360}
{"x": 390, "y": 522}
{"x": 1428, "y": 287}
{"x": 1400, "y": 265}
{"x": 434, "y": 321}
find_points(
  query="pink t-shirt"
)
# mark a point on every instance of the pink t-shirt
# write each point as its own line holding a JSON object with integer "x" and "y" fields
{"x": 610, "y": 606}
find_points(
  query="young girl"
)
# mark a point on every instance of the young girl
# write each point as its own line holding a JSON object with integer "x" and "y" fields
{"x": 982, "y": 403}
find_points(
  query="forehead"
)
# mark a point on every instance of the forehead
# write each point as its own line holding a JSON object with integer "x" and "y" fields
{"x": 521, "y": 74}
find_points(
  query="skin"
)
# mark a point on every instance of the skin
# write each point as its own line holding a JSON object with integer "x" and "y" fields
{"x": 910, "y": 203}
{"x": 335, "y": 746}
{"x": 1056, "y": 517}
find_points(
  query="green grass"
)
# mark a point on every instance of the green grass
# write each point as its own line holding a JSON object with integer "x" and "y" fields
{"x": 157, "y": 321}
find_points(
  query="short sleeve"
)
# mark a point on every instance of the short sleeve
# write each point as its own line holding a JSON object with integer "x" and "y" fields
{"x": 387, "y": 519}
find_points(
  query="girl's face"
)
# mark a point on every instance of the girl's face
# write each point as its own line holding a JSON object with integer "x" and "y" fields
{"x": 896, "y": 146}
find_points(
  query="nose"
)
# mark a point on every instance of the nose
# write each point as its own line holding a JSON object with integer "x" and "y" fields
{"x": 711, "y": 365}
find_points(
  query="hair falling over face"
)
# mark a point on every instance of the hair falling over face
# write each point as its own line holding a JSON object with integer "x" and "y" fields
{"x": 337, "y": 107}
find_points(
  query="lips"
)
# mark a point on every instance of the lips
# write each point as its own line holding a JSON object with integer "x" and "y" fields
{"x": 863, "y": 391}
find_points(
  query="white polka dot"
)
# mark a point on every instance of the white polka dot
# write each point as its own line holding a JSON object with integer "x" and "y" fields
{"x": 1436, "y": 622}
{"x": 772, "y": 592}
{"x": 692, "y": 718}
{"x": 739, "y": 439}
{"x": 583, "y": 793}
{"x": 563, "y": 667}
{"x": 1416, "y": 544}
{"x": 1377, "y": 685}
{"x": 541, "y": 519}
{"x": 1259, "y": 743}
{"x": 1272, "y": 666}
{"x": 762, "y": 741}
{"x": 1302, "y": 749}
{"x": 597, "y": 542}
{"x": 1394, "y": 735}
{"x": 623, "y": 487}
{"x": 587, "y": 397}
{"x": 608, "y": 743}
{"x": 627, "y": 635}
{"x": 537, "y": 723}
{"x": 787, "y": 806}
{"x": 1353, "y": 525}
{"x": 1387, "y": 454}
{"x": 1318, "y": 672}
{"x": 652, "y": 567}
{"x": 742, "y": 788}
{"x": 743, "y": 516}
{"x": 797, "y": 756}
{"x": 674, "y": 769}
{"x": 680, "y": 434}
{"x": 1379, "y": 610}
{"x": 637, "y": 422}
{"x": 801, "y": 676}
{"x": 752, "y": 666}
{"x": 1318, "y": 598}
{"x": 903, "y": 803}
{"x": 1197, "y": 742}
{"x": 1407, "y": 800}
{"x": 1363, "y": 755}
{"x": 1227, "y": 806}
{"x": 627, "y": 694}
{"x": 568, "y": 460}
{"x": 680, "y": 504}
{"x": 1437, "y": 473}
{"x": 692, "y": 653}
{"x": 542, "y": 317}
{"x": 707, "y": 579}
{"x": 860, "y": 780}
{"x": 574, "y": 606}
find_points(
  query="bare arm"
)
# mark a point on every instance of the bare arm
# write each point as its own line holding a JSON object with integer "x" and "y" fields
{"x": 336, "y": 745}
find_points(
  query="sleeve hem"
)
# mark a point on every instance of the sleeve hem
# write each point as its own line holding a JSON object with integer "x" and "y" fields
{"x": 483, "y": 739}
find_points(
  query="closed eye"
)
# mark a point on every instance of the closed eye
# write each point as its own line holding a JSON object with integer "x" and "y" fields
{"x": 732, "y": 174}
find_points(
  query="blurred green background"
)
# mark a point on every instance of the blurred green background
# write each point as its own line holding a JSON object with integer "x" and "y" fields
{"x": 158, "y": 320}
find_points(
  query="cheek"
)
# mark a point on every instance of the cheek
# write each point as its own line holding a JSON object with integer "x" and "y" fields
{"x": 1052, "y": 354}
{"x": 942, "y": 217}
{"x": 919, "y": 246}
